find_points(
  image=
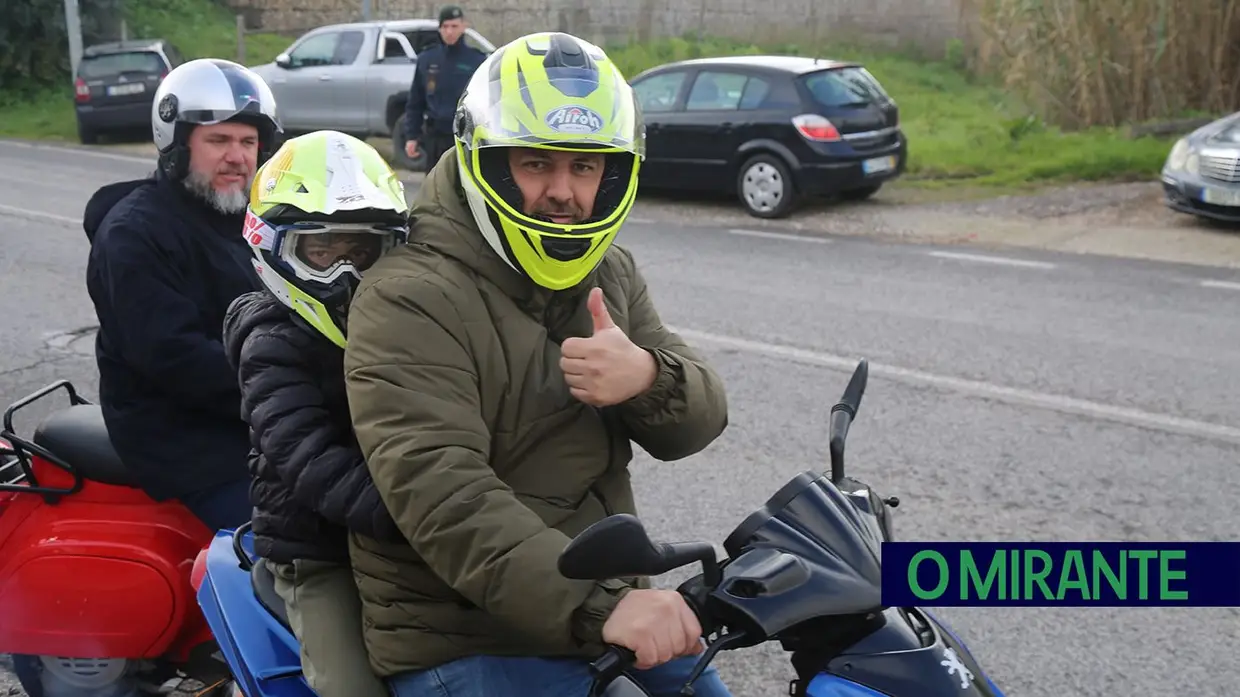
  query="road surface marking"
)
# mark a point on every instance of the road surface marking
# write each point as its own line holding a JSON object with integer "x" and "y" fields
{"x": 1012, "y": 395}
{"x": 777, "y": 236}
{"x": 81, "y": 151}
{"x": 1225, "y": 285}
{"x": 639, "y": 221}
{"x": 986, "y": 259}
{"x": 27, "y": 213}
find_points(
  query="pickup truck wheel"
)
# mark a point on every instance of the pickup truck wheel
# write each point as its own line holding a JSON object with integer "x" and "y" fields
{"x": 399, "y": 158}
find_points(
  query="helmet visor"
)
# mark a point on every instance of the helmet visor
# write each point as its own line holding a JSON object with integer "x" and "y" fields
{"x": 208, "y": 92}
{"x": 324, "y": 251}
{"x": 320, "y": 252}
{"x": 573, "y": 109}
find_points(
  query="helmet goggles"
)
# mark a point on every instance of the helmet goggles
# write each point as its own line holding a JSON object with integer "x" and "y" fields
{"x": 324, "y": 251}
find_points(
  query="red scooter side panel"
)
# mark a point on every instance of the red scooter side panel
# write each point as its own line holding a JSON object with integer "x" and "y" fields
{"x": 103, "y": 572}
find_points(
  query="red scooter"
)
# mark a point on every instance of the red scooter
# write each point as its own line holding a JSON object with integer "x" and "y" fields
{"x": 95, "y": 592}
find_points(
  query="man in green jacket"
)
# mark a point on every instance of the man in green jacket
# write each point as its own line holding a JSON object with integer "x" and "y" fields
{"x": 499, "y": 369}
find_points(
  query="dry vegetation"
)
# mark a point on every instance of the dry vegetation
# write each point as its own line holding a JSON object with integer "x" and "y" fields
{"x": 1089, "y": 63}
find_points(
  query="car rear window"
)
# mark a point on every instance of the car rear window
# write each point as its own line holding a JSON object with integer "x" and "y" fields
{"x": 841, "y": 87}
{"x": 116, "y": 63}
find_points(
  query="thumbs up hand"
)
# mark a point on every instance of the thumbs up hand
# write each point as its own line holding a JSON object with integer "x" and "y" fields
{"x": 605, "y": 368}
{"x": 598, "y": 310}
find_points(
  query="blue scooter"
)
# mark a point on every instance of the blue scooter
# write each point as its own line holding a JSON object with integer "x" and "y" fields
{"x": 803, "y": 570}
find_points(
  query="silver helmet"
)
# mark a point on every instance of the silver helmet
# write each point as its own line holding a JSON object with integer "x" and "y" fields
{"x": 208, "y": 91}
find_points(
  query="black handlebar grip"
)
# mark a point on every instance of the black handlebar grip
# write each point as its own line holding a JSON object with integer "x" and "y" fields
{"x": 694, "y": 593}
{"x": 614, "y": 660}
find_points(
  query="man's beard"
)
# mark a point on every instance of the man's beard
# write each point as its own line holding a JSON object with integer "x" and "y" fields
{"x": 226, "y": 202}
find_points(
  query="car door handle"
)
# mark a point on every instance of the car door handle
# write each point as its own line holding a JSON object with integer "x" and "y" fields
{"x": 325, "y": 78}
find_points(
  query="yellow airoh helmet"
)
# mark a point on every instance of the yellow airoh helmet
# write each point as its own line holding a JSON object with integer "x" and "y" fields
{"x": 554, "y": 91}
{"x": 322, "y": 210}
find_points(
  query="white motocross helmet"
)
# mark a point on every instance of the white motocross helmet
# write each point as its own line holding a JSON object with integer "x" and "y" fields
{"x": 208, "y": 91}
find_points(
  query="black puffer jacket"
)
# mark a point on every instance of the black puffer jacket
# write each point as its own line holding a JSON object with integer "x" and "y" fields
{"x": 310, "y": 482}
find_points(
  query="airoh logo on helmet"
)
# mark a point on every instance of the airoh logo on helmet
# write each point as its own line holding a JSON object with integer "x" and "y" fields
{"x": 574, "y": 119}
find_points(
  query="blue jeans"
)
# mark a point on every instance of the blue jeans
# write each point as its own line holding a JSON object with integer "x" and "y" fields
{"x": 495, "y": 676}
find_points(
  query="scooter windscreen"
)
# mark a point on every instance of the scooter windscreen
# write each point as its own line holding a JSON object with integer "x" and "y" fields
{"x": 807, "y": 553}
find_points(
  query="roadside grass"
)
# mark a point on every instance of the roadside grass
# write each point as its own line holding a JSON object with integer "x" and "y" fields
{"x": 47, "y": 115}
{"x": 198, "y": 28}
{"x": 961, "y": 130}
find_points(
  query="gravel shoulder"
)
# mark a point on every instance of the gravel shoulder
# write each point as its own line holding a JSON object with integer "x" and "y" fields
{"x": 1123, "y": 220}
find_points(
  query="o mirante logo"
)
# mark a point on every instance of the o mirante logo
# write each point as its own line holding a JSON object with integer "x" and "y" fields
{"x": 1110, "y": 574}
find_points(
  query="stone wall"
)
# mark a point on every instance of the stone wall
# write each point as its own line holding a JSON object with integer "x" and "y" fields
{"x": 927, "y": 24}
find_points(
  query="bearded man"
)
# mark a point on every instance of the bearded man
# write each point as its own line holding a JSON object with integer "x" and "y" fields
{"x": 168, "y": 256}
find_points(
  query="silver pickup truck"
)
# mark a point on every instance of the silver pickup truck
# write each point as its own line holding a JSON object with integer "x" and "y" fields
{"x": 355, "y": 78}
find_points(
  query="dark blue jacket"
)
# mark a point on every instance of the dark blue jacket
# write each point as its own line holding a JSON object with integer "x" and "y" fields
{"x": 162, "y": 271}
{"x": 441, "y": 75}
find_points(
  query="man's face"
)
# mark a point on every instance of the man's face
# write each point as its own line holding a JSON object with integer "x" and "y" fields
{"x": 222, "y": 161}
{"x": 451, "y": 30}
{"x": 557, "y": 185}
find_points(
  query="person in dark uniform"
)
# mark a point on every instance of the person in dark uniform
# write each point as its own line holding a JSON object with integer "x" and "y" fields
{"x": 438, "y": 82}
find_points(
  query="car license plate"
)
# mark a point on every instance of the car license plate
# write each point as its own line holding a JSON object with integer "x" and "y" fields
{"x": 131, "y": 88}
{"x": 1221, "y": 197}
{"x": 878, "y": 164}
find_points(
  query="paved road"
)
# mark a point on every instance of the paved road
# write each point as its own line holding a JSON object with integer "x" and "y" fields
{"x": 1011, "y": 397}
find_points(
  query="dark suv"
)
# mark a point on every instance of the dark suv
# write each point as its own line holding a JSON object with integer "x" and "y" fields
{"x": 115, "y": 84}
{"x": 770, "y": 129}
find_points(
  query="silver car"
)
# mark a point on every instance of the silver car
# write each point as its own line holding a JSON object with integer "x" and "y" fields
{"x": 354, "y": 78}
{"x": 1202, "y": 174}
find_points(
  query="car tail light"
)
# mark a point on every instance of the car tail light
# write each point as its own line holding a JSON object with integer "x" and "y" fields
{"x": 817, "y": 128}
{"x": 81, "y": 92}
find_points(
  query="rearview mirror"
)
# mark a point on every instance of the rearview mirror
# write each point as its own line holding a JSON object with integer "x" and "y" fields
{"x": 842, "y": 415}
{"x": 283, "y": 60}
{"x": 613, "y": 547}
{"x": 618, "y": 546}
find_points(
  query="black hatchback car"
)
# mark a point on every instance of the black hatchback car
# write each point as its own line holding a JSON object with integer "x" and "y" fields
{"x": 116, "y": 82}
{"x": 769, "y": 129}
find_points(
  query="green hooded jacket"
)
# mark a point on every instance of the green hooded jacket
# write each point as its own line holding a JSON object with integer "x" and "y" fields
{"x": 486, "y": 461}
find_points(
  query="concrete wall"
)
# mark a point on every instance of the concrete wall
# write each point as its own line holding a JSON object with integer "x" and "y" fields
{"x": 928, "y": 24}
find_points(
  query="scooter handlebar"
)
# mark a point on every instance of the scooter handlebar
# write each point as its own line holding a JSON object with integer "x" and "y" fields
{"x": 617, "y": 658}
{"x": 614, "y": 659}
